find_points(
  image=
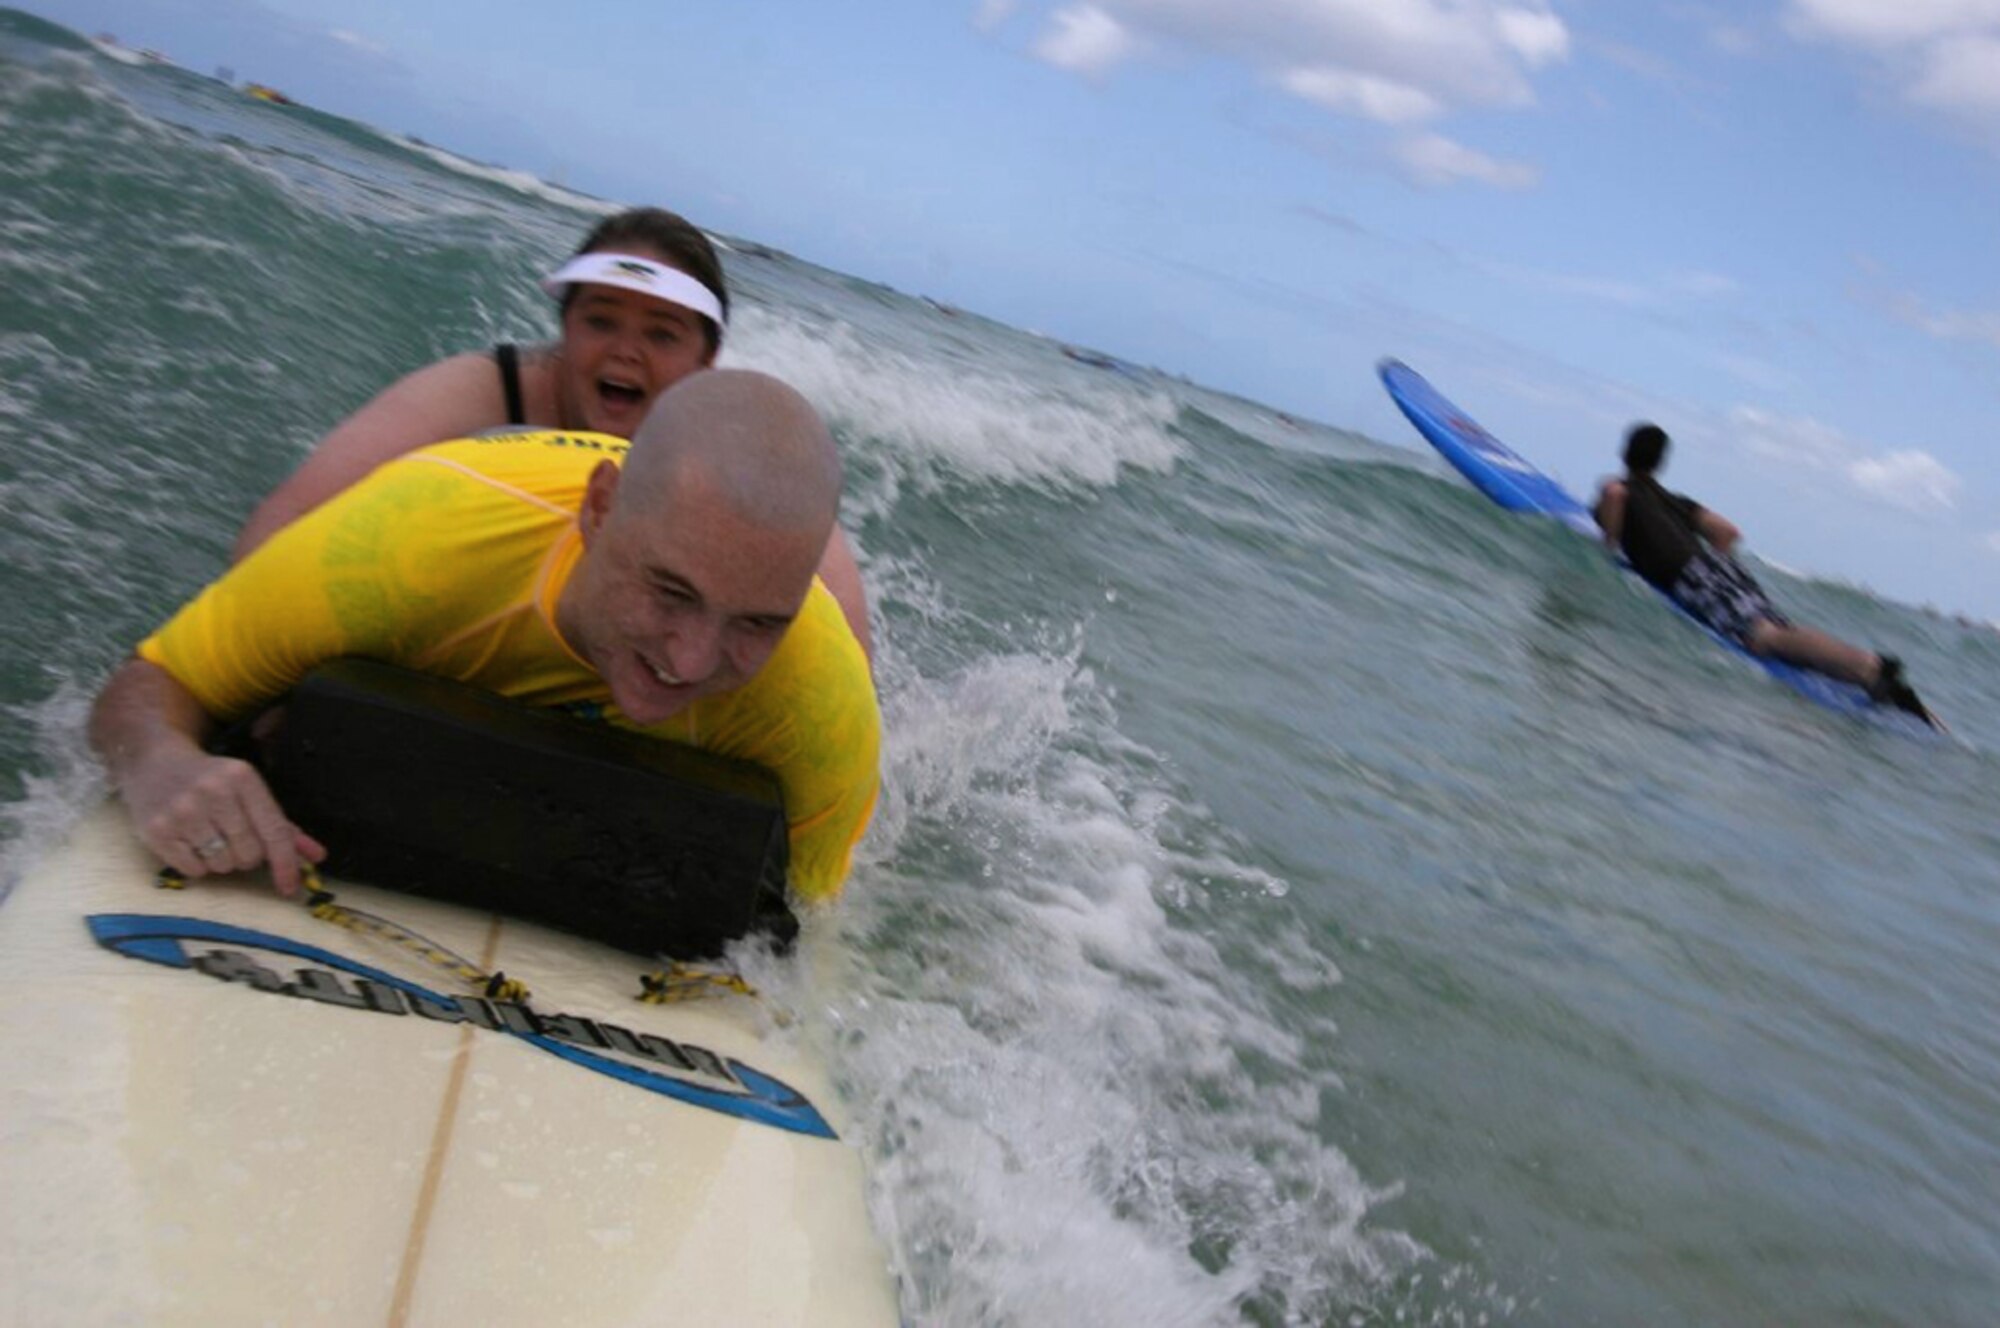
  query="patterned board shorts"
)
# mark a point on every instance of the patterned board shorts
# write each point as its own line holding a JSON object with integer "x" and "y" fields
{"x": 1719, "y": 592}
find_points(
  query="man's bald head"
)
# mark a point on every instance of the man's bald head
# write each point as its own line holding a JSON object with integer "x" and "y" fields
{"x": 741, "y": 438}
{"x": 700, "y": 551}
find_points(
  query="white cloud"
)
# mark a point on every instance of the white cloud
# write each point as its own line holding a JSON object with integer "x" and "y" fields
{"x": 357, "y": 41}
{"x": 1708, "y": 285}
{"x": 1339, "y": 221}
{"x": 1947, "y": 324}
{"x": 1884, "y": 23}
{"x": 1732, "y": 39}
{"x": 1668, "y": 292}
{"x": 1609, "y": 290}
{"x": 1433, "y": 159}
{"x": 1536, "y": 35}
{"x": 1084, "y": 40}
{"x": 1388, "y": 60}
{"x": 1944, "y": 54}
{"x": 1914, "y": 481}
{"x": 992, "y": 13}
{"x": 1381, "y": 99}
{"x": 1910, "y": 479}
{"x": 1794, "y": 440}
{"x": 1962, "y": 75}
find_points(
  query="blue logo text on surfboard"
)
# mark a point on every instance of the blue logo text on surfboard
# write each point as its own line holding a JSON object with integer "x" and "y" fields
{"x": 677, "y": 1070}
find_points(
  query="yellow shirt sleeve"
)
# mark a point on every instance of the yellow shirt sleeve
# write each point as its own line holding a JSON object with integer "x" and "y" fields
{"x": 376, "y": 571}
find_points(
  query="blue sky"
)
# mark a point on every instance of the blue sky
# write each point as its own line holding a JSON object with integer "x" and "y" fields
{"x": 1769, "y": 225}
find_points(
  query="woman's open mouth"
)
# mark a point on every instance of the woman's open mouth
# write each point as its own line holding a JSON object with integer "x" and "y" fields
{"x": 620, "y": 396}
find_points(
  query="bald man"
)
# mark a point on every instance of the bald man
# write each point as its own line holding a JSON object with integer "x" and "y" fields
{"x": 666, "y": 585}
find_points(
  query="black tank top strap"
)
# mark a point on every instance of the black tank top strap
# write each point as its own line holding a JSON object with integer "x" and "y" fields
{"x": 508, "y": 356}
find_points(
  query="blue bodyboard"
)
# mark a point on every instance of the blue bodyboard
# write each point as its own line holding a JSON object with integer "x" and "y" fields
{"x": 1500, "y": 473}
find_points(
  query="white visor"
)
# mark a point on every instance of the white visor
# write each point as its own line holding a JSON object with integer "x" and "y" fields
{"x": 628, "y": 272}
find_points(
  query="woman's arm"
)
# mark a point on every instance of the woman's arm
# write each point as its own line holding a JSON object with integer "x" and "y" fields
{"x": 449, "y": 399}
{"x": 843, "y": 577}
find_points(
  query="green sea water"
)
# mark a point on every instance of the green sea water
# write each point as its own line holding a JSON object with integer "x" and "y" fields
{"x": 1302, "y": 893}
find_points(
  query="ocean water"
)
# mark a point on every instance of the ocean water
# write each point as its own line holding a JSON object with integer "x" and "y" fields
{"x": 1302, "y": 893}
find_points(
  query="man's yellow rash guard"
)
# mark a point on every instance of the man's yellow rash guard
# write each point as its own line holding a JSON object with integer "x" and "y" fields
{"x": 450, "y": 560}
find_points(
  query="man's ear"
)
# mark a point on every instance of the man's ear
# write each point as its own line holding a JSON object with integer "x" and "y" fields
{"x": 597, "y": 495}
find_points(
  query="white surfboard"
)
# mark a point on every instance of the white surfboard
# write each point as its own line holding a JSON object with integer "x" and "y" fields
{"x": 217, "y": 1109}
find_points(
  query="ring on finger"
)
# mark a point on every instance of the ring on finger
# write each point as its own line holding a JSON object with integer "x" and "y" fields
{"x": 210, "y": 847}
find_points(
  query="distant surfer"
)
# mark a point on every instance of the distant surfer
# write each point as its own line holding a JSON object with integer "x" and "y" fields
{"x": 1687, "y": 552}
{"x": 670, "y": 587}
{"x": 643, "y": 306}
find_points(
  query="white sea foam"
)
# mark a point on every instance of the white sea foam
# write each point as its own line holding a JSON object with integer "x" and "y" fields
{"x": 520, "y": 181}
{"x": 923, "y": 416}
{"x": 1051, "y": 1068}
{"x": 52, "y": 802}
{"x": 1050, "y": 1063}
{"x": 124, "y": 55}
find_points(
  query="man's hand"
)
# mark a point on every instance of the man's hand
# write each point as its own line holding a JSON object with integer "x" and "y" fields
{"x": 202, "y": 814}
{"x": 211, "y": 814}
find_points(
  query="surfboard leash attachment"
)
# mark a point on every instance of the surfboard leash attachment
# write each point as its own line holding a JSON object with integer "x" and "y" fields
{"x": 494, "y": 986}
{"x": 690, "y": 982}
{"x": 320, "y": 902}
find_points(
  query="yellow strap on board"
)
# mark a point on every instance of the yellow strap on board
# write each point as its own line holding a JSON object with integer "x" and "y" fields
{"x": 664, "y": 986}
{"x": 686, "y": 982}
{"x": 319, "y": 902}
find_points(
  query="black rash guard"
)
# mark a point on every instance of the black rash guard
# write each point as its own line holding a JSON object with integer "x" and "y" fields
{"x": 1659, "y": 535}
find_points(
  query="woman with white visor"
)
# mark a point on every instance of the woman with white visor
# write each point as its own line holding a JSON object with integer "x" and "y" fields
{"x": 643, "y": 306}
